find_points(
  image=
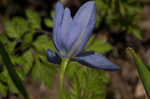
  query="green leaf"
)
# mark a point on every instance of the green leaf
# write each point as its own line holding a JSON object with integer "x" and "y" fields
{"x": 133, "y": 10}
{"x": 34, "y": 19}
{"x": 10, "y": 68}
{"x": 3, "y": 89}
{"x": 98, "y": 45}
{"x": 4, "y": 76}
{"x": 4, "y": 39}
{"x": 122, "y": 8}
{"x": 42, "y": 73}
{"x": 143, "y": 71}
{"x": 16, "y": 28}
{"x": 10, "y": 46}
{"x": 43, "y": 43}
{"x": 101, "y": 9}
{"x": 100, "y": 5}
{"x": 52, "y": 13}
{"x": 45, "y": 62}
{"x": 26, "y": 61}
{"x": 71, "y": 69}
{"x": 75, "y": 89}
{"x": 28, "y": 37}
{"x": 85, "y": 83}
{"x": 48, "y": 22}
{"x": 113, "y": 13}
{"x": 136, "y": 32}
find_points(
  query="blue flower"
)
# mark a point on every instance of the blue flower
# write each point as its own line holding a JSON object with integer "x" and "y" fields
{"x": 71, "y": 34}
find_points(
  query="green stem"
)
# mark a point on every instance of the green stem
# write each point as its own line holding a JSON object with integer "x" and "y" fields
{"x": 63, "y": 66}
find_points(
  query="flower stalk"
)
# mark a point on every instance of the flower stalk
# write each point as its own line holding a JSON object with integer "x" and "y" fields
{"x": 63, "y": 67}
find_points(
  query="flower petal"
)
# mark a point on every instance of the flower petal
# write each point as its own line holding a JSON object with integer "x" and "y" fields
{"x": 52, "y": 57}
{"x": 81, "y": 27}
{"x": 67, "y": 19}
{"x": 96, "y": 60}
{"x": 58, "y": 17}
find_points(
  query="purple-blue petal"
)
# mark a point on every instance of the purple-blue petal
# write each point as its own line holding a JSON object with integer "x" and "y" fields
{"x": 96, "y": 60}
{"x": 67, "y": 19}
{"x": 82, "y": 24}
{"x": 88, "y": 32}
{"x": 53, "y": 57}
{"x": 58, "y": 17}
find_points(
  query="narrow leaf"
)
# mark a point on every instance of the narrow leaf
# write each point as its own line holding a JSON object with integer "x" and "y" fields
{"x": 15, "y": 78}
{"x": 143, "y": 71}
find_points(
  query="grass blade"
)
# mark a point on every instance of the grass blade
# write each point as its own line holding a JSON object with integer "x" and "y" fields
{"x": 143, "y": 71}
{"x": 15, "y": 78}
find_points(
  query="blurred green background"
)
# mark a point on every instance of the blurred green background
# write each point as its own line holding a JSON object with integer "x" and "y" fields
{"x": 26, "y": 31}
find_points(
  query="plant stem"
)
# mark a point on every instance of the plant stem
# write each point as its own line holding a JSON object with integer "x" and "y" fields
{"x": 63, "y": 66}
